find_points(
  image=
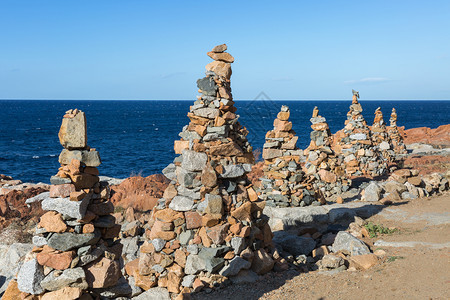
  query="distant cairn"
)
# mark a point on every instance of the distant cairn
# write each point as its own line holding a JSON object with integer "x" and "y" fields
{"x": 360, "y": 157}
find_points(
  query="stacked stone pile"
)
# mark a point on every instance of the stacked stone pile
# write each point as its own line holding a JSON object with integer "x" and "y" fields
{"x": 282, "y": 184}
{"x": 380, "y": 138}
{"x": 75, "y": 252}
{"x": 360, "y": 158}
{"x": 209, "y": 224}
{"x": 395, "y": 137}
{"x": 323, "y": 167}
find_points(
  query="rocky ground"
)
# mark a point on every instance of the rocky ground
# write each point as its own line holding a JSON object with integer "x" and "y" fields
{"x": 413, "y": 266}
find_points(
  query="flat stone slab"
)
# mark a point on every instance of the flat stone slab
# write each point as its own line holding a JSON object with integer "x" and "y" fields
{"x": 319, "y": 217}
{"x": 73, "y": 209}
{"x": 431, "y": 218}
{"x": 411, "y": 244}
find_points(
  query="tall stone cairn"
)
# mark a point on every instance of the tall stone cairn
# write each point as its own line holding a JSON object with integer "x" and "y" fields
{"x": 360, "y": 158}
{"x": 209, "y": 224}
{"x": 323, "y": 168}
{"x": 282, "y": 182}
{"x": 395, "y": 136}
{"x": 75, "y": 252}
{"x": 380, "y": 138}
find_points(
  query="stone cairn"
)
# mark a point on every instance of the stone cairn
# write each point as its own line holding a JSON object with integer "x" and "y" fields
{"x": 282, "y": 184}
{"x": 323, "y": 168}
{"x": 380, "y": 137}
{"x": 75, "y": 254}
{"x": 395, "y": 136}
{"x": 209, "y": 224}
{"x": 360, "y": 158}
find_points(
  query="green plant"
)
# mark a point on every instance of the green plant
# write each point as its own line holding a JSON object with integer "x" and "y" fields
{"x": 394, "y": 258}
{"x": 375, "y": 229}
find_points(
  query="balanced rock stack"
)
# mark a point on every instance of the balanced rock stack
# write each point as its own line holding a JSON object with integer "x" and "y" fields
{"x": 380, "y": 137}
{"x": 282, "y": 182}
{"x": 323, "y": 168}
{"x": 395, "y": 136}
{"x": 75, "y": 253}
{"x": 209, "y": 223}
{"x": 360, "y": 158}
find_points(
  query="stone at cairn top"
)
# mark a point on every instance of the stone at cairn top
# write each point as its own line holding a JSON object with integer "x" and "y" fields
{"x": 72, "y": 134}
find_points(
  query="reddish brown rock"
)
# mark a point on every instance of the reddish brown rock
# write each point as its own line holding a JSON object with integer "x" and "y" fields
{"x": 141, "y": 193}
{"x": 66, "y": 293}
{"x": 61, "y": 190}
{"x": 55, "y": 260}
{"x": 102, "y": 274}
{"x": 193, "y": 219}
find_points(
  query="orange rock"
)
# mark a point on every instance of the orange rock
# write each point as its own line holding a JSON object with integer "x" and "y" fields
{"x": 173, "y": 283}
{"x": 205, "y": 239}
{"x": 180, "y": 257}
{"x": 166, "y": 215}
{"x": 229, "y": 255}
{"x": 145, "y": 282}
{"x": 283, "y": 115}
{"x": 236, "y": 228}
{"x": 252, "y": 194}
{"x": 243, "y": 212}
{"x": 77, "y": 196}
{"x": 88, "y": 228}
{"x": 66, "y": 293}
{"x": 59, "y": 261}
{"x": 339, "y": 200}
{"x": 209, "y": 220}
{"x": 102, "y": 274}
{"x": 179, "y": 146}
{"x": 365, "y": 261}
{"x": 223, "y": 56}
{"x": 282, "y": 125}
{"x": 52, "y": 222}
{"x": 12, "y": 291}
{"x": 132, "y": 267}
{"x": 220, "y": 68}
{"x": 138, "y": 192}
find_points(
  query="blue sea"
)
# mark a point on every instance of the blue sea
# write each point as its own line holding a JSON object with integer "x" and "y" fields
{"x": 136, "y": 137}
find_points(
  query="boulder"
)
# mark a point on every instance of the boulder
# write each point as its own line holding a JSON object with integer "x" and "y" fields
{"x": 296, "y": 245}
{"x": 349, "y": 244}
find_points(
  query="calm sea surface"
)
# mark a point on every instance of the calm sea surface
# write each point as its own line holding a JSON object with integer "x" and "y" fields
{"x": 136, "y": 137}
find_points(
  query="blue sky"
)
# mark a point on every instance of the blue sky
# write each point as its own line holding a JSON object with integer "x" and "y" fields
{"x": 307, "y": 50}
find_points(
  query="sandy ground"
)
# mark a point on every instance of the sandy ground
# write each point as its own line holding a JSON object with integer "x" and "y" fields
{"x": 420, "y": 272}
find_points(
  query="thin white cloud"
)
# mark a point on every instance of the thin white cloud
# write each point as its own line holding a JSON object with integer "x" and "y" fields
{"x": 368, "y": 80}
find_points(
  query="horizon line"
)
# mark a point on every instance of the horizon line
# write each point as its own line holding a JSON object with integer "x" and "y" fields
{"x": 21, "y": 99}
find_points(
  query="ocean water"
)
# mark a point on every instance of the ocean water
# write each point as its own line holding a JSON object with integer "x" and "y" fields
{"x": 136, "y": 137}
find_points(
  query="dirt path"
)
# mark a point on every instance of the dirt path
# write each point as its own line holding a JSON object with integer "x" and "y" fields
{"x": 419, "y": 272}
